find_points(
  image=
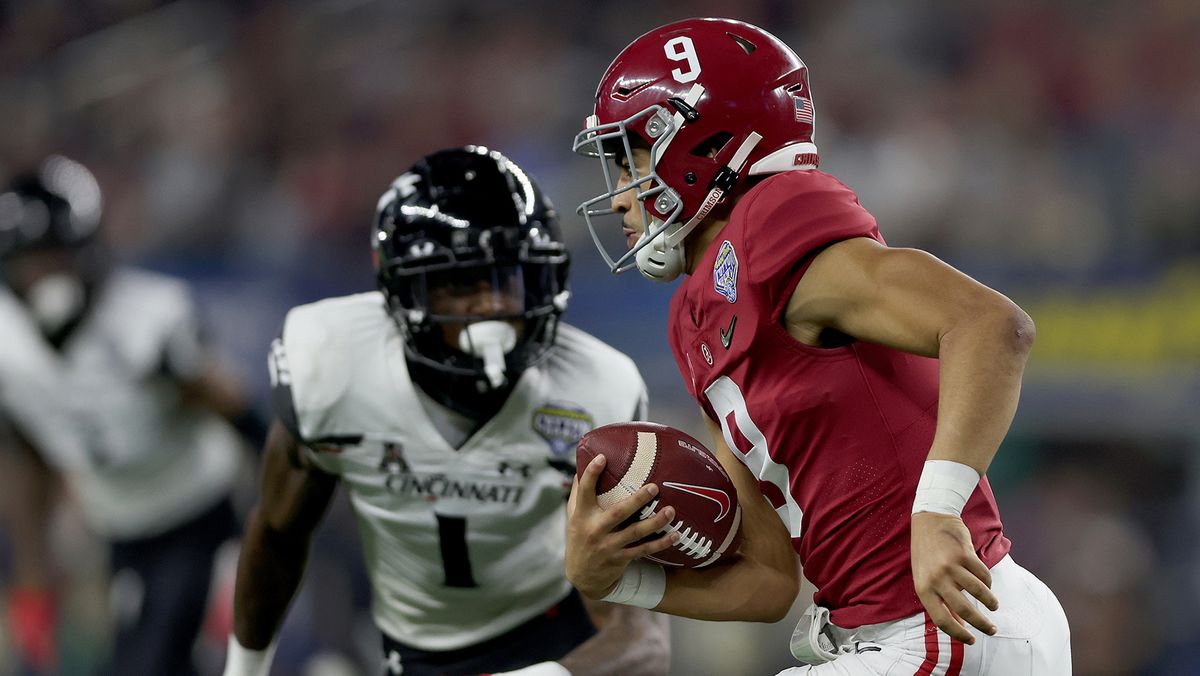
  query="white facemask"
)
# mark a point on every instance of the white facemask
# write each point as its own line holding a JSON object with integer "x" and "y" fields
{"x": 55, "y": 300}
{"x": 490, "y": 341}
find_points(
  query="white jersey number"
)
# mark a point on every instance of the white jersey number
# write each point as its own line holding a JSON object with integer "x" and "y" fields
{"x": 726, "y": 398}
{"x": 682, "y": 49}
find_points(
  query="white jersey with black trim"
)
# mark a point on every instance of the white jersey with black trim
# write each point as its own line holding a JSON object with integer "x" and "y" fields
{"x": 106, "y": 408}
{"x": 461, "y": 545}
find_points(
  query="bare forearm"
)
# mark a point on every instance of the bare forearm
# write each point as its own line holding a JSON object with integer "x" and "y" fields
{"x": 270, "y": 568}
{"x": 736, "y": 591}
{"x": 981, "y": 365}
{"x": 631, "y": 641}
{"x": 760, "y": 582}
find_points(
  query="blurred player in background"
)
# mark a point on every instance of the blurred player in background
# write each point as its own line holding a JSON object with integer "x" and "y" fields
{"x": 106, "y": 381}
{"x": 449, "y": 402}
{"x": 857, "y": 391}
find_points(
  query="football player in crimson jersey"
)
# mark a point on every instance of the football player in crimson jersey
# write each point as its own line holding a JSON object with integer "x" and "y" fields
{"x": 856, "y": 393}
{"x": 449, "y": 403}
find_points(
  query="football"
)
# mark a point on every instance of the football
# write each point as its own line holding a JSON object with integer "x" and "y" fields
{"x": 689, "y": 478}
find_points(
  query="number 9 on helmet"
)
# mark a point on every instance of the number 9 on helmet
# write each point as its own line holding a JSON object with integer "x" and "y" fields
{"x": 714, "y": 101}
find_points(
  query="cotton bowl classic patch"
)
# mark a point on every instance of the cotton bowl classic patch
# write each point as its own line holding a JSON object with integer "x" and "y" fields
{"x": 725, "y": 272}
{"x": 561, "y": 426}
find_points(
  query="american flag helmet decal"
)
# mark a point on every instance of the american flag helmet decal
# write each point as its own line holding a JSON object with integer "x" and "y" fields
{"x": 804, "y": 109}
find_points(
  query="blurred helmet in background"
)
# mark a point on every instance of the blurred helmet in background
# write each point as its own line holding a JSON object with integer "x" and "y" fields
{"x": 57, "y": 206}
{"x": 717, "y": 100}
{"x": 49, "y": 252}
{"x": 469, "y": 255}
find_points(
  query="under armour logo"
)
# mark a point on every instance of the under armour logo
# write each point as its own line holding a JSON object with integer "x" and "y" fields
{"x": 392, "y": 663}
{"x": 421, "y": 249}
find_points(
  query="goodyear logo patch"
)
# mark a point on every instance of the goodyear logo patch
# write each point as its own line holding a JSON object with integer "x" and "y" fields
{"x": 725, "y": 272}
{"x": 562, "y": 426}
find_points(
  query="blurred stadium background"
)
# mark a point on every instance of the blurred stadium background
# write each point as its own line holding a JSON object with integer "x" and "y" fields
{"x": 1048, "y": 148}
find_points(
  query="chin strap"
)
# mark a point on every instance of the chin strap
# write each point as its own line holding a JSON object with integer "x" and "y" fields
{"x": 722, "y": 183}
{"x": 663, "y": 260}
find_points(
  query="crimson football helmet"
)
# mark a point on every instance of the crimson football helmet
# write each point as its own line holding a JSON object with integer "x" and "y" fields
{"x": 716, "y": 100}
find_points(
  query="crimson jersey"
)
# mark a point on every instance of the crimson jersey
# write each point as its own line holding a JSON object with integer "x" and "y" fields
{"x": 836, "y": 436}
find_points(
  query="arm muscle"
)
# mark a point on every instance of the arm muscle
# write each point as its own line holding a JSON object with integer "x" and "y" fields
{"x": 911, "y": 301}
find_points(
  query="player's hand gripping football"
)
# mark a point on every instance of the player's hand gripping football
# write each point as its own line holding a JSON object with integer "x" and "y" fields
{"x": 598, "y": 547}
{"x": 944, "y": 565}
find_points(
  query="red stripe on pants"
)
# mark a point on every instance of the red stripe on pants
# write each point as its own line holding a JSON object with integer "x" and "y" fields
{"x": 956, "y": 658}
{"x": 931, "y": 648}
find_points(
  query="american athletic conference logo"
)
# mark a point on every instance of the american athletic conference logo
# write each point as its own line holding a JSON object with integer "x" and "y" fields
{"x": 725, "y": 271}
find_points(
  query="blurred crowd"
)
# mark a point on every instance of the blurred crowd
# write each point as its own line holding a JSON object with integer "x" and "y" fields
{"x": 1049, "y": 148}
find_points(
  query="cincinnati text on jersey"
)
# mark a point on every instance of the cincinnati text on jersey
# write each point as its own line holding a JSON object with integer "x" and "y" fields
{"x": 440, "y": 486}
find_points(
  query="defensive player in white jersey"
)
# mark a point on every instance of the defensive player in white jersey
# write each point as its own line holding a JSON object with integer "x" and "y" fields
{"x": 450, "y": 403}
{"x": 104, "y": 380}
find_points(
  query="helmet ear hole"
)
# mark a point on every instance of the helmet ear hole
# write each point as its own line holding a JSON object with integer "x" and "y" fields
{"x": 712, "y": 146}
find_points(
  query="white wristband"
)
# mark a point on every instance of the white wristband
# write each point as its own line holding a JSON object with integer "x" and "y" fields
{"x": 642, "y": 585}
{"x": 945, "y": 487}
{"x": 539, "y": 669}
{"x": 242, "y": 661}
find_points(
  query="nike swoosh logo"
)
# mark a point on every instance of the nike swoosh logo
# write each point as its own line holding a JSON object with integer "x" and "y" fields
{"x": 715, "y": 494}
{"x": 727, "y": 335}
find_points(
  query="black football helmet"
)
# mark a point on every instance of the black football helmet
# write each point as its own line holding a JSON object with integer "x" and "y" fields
{"x": 50, "y": 256}
{"x": 56, "y": 206}
{"x": 456, "y": 219}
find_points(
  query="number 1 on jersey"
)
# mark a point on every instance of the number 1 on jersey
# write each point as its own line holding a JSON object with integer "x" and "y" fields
{"x": 456, "y": 563}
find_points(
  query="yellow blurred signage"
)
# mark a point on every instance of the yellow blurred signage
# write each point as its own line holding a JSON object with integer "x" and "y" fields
{"x": 1146, "y": 324}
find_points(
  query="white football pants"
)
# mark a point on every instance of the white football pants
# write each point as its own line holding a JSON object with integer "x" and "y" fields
{"x": 1032, "y": 639}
